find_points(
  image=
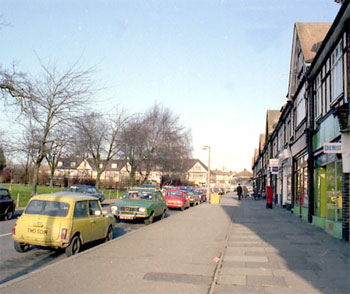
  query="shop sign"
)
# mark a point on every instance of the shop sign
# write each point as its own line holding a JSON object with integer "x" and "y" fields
{"x": 332, "y": 147}
{"x": 274, "y": 166}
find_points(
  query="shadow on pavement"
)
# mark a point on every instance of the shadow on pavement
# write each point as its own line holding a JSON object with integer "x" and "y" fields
{"x": 290, "y": 245}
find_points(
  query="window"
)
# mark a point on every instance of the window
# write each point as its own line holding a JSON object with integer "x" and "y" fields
{"x": 49, "y": 208}
{"x": 59, "y": 164}
{"x": 319, "y": 100}
{"x": 337, "y": 71}
{"x": 114, "y": 165}
{"x": 72, "y": 164}
{"x": 301, "y": 112}
{"x": 80, "y": 209}
{"x": 93, "y": 207}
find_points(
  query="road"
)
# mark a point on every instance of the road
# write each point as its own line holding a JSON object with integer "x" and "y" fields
{"x": 13, "y": 264}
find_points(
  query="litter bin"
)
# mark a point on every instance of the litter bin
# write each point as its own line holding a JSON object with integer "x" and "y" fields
{"x": 215, "y": 198}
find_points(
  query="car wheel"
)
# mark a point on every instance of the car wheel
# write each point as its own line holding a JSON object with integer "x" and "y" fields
{"x": 9, "y": 214}
{"x": 109, "y": 236}
{"x": 20, "y": 247}
{"x": 149, "y": 220}
{"x": 163, "y": 214}
{"x": 74, "y": 246}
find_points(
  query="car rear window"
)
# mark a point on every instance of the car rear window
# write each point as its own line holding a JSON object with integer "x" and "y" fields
{"x": 139, "y": 195}
{"x": 49, "y": 208}
{"x": 174, "y": 194}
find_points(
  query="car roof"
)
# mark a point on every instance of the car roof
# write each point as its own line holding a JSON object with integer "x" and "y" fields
{"x": 63, "y": 196}
{"x": 3, "y": 188}
{"x": 142, "y": 189}
{"x": 175, "y": 190}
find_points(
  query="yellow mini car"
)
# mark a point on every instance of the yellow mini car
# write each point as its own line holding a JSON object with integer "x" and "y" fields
{"x": 62, "y": 220}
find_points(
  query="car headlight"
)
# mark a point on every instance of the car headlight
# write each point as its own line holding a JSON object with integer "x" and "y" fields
{"x": 114, "y": 209}
{"x": 142, "y": 209}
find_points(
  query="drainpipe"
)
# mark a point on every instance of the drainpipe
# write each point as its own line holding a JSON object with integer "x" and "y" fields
{"x": 310, "y": 161}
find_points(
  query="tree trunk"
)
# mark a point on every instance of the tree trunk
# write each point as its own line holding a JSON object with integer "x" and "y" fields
{"x": 35, "y": 179}
{"x": 52, "y": 173}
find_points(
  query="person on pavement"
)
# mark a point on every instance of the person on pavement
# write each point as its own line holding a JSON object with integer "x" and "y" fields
{"x": 245, "y": 192}
{"x": 239, "y": 191}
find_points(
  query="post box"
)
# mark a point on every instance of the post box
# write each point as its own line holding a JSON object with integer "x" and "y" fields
{"x": 269, "y": 196}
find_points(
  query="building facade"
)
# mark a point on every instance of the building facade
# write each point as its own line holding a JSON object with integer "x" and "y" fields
{"x": 310, "y": 143}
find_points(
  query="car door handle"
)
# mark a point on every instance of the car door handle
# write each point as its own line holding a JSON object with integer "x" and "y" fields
{"x": 92, "y": 221}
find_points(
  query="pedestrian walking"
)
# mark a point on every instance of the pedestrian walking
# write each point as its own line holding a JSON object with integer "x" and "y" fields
{"x": 255, "y": 193}
{"x": 239, "y": 191}
{"x": 245, "y": 192}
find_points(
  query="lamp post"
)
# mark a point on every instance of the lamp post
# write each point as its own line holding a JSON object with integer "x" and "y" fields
{"x": 208, "y": 178}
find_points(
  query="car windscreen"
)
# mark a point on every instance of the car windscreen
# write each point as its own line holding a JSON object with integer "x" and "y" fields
{"x": 138, "y": 195}
{"x": 49, "y": 208}
{"x": 173, "y": 194}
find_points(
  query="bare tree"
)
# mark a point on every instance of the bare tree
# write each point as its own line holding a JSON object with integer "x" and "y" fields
{"x": 100, "y": 138}
{"x": 51, "y": 101}
{"x": 133, "y": 140}
{"x": 167, "y": 140}
{"x": 58, "y": 146}
{"x": 155, "y": 140}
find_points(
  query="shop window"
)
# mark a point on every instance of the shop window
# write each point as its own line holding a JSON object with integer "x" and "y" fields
{"x": 339, "y": 179}
{"x": 317, "y": 192}
{"x": 331, "y": 195}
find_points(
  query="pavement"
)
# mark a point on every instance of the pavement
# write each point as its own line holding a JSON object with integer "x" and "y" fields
{"x": 234, "y": 247}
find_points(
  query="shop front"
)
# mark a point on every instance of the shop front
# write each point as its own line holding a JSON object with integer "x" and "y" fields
{"x": 328, "y": 178}
{"x": 301, "y": 199}
{"x": 328, "y": 193}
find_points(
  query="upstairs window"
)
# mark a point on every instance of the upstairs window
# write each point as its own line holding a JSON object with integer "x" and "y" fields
{"x": 318, "y": 100}
{"x": 337, "y": 72}
{"x": 72, "y": 164}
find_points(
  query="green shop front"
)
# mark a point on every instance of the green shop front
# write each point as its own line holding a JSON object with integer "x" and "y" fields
{"x": 328, "y": 174}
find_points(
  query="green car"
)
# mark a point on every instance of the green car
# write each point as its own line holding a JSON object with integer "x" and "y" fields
{"x": 140, "y": 203}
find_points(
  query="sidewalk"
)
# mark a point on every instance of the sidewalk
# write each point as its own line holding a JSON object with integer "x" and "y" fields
{"x": 235, "y": 247}
{"x": 272, "y": 251}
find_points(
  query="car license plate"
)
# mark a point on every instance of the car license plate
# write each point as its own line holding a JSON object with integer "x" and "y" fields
{"x": 172, "y": 201}
{"x": 37, "y": 231}
{"x": 126, "y": 217}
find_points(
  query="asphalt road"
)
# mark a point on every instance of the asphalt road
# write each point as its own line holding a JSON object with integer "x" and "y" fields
{"x": 14, "y": 264}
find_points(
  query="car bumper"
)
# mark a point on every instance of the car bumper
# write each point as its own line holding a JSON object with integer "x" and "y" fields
{"x": 129, "y": 216}
{"x": 42, "y": 243}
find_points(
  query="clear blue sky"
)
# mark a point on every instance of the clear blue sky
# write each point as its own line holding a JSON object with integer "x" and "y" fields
{"x": 218, "y": 64}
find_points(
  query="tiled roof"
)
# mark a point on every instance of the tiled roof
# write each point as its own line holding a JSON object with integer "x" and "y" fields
{"x": 311, "y": 36}
{"x": 261, "y": 142}
{"x": 272, "y": 117}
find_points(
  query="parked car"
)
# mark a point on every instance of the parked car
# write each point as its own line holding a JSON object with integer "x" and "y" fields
{"x": 88, "y": 190}
{"x": 177, "y": 199}
{"x": 194, "y": 198}
{"x": 7, "y": 205}
{"x": 62, "y": 220}
{"x": 140, "y": 203}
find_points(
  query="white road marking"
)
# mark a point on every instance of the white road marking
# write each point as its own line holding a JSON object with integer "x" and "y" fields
{"x": 3, "y": 235}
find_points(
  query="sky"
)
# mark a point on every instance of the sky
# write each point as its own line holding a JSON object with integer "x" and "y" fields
{"x": 218, "y": 64}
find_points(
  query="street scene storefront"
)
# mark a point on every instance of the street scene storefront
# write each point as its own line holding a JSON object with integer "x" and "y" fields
{"x": 301, "y": 199}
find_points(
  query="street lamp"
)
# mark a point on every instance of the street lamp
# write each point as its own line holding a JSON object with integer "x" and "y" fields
{"x": 208, "y": 178}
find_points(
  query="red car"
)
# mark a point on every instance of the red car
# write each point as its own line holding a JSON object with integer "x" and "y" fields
{"x": 177, "y": 199}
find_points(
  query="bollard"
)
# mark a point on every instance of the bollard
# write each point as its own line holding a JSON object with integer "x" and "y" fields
{"x": 118, "y": 194}
{"x": 109, "y": 194}
{"x": 17, "y": 201}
